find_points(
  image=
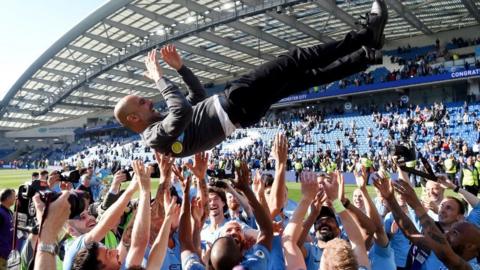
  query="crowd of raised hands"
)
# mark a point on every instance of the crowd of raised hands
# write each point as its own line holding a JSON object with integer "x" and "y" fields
{"x": 249, "y": 222}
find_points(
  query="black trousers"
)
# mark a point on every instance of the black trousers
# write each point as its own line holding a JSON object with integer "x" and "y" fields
{"x": 250, "y": 96}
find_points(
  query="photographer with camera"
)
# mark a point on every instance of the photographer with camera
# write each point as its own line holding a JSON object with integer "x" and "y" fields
{"x": 85, "y": 186}
{"x": 52, "y": 219}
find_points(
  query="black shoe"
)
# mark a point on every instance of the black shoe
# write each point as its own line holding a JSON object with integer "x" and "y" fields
{"x": 375, "y": 22}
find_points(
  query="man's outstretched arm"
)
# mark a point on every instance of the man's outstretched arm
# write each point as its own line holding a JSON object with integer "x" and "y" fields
{"x": 432, "y": 237}
{"x": 261, "y": 215}
{"x": 179, "y": 109}
{"x": 196, "y": 92}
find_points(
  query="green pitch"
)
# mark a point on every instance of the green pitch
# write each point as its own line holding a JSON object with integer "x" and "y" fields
{"x": 13, "y": 178}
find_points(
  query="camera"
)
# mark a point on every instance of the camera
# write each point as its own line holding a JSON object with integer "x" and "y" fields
{"x": 128, "y": 171}
{"x": 26, "y": 209}
{"x": 155, "y": 171}
{"x": 217, "y": 178}
{"x": 219, "y": 183}
{"x": 220, "y": 174}
{"x": 70, "y": 176}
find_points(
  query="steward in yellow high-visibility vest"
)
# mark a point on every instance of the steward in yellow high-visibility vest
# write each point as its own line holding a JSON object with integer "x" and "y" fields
{"x": 450, "y": 165}
{"x": 469, "y": 177}
{"x": 298, "y": 166}
{"x": 477, "y": 165}
{"x": 331, "y": 167}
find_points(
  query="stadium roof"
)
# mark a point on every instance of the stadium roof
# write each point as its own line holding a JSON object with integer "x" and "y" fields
{"x": 101, "y": 59}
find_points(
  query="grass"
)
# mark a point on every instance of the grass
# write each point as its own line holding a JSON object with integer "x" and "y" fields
{"x": 13, "y": 178}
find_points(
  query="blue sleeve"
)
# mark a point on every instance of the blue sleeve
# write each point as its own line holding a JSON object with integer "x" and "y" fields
{"x": 277, "y": 260}
{"x": 385, "y": 252}
{"x": 382, "y": 258}
{"x": 257, "y": 259}
{"x": 71, "y": 251}
{"x": 474, "y": 216}
{"x": 251, "y": 221}
{"x": 192, "y": 262}
{"x": 313, "y": 256}
{"x": 387, "y": 222}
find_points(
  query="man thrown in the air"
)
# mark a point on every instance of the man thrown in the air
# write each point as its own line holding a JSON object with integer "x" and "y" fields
{"x": 197, "y": 123}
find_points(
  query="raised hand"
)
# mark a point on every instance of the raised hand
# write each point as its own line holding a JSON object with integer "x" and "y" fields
{"x": 142, "y": 174}
{"x": 428, "y": 204}
{"x": 361, "y": 177}
{"x": 200, "y": 165}
{"x": 445, "y": 182}
{"x": 170, "y": 204}
{"x": 341, "y": 185}
{"x": 242, "y": 177}
{"x": 178, "y": 171}
{"x": 280, "y": 148}
{"x": 330, "y": 186}
{"x": 309, "y": 185}
{"x": 197, "y": 210}
{"x": 384, "y": 185}
{"x": 58, "y": 212}
{"x": 118, "y": 178}
{"x": 319, "y": 200}
{"x": 258, "y": 187}
{"x": 154, "y": 70}
{"x": 171, "y": 57}
{"x": 165, "y": 164}
{"x": 408, "y": 193}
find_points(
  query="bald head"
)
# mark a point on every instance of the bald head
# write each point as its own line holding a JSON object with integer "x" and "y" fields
{"x": 464, "y": 238}
{"x": 122, "y": 109}
{"x": 135, "y": 113}
{"x": 225, "y": 253}
{"x": 434, "y": 191}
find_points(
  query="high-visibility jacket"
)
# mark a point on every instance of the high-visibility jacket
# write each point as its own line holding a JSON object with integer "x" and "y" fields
{"x": 477, "y": 165}
{"x": 237, "y": 163}
{"x": 330, "y": 168}
{"x": 366, "y": 162}
{"x": 450, "y": 166}
{"x": 111, "y": 241}
{"x": 298, "y": 166}
{"x": 411, "y": 164}
{"x": 470, "y": 176}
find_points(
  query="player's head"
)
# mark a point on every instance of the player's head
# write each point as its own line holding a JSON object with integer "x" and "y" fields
{"x": 450, "y": 210}
{"x": 234, "y": 230}
{"x": 434, "y": 191}
{"x": 464, "y": 238}
{"x": 326, "y": 226}
{"x": 136, "y": 113}
{"x": 338, "y": 254}
{"x": 224, "y": 254}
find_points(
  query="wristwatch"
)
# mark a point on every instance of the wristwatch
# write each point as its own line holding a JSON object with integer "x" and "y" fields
{"x": 49, "y": 248}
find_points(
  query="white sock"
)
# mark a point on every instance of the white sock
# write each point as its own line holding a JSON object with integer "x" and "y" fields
{"x": 375, "y": 8}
